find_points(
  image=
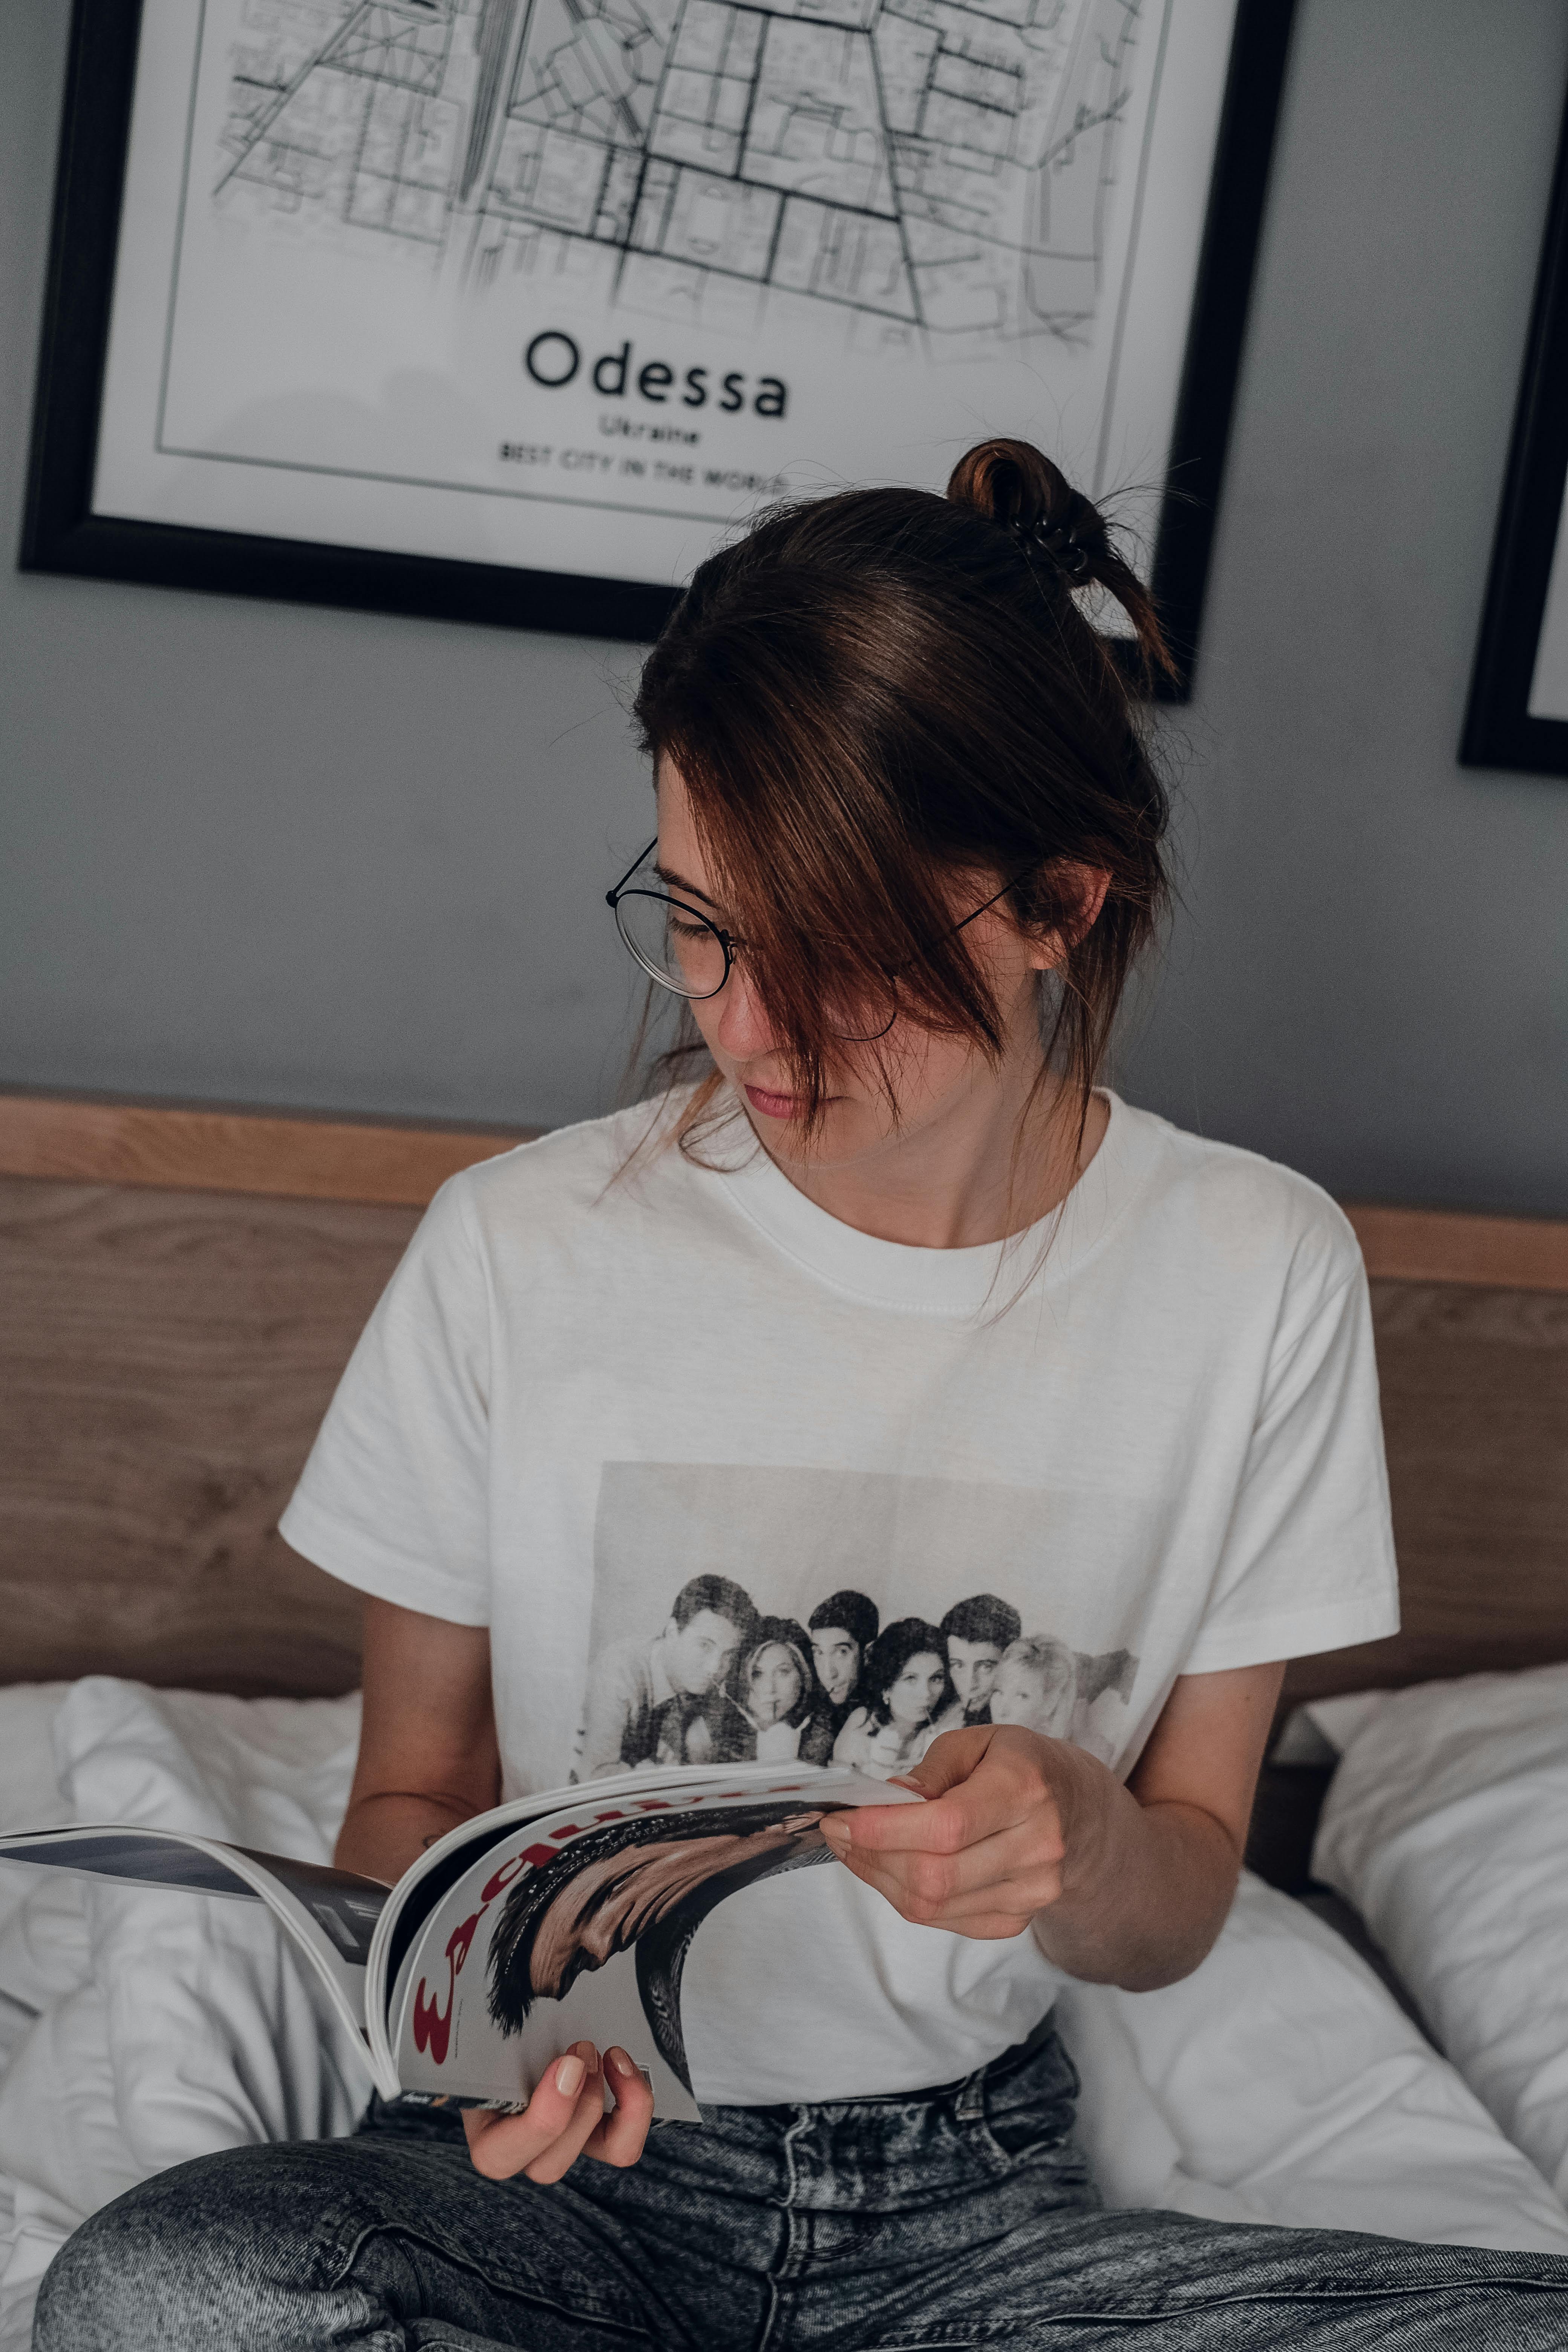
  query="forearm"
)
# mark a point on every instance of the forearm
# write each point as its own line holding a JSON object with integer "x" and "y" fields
{"x": 384, "y": 1831}
{"x": 427, "y": 1752}
{"x": 1145, "y": 1887}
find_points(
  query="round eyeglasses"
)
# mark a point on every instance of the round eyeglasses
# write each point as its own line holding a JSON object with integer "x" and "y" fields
{"x": 676, "y": 944}
{"x": 688, "y": 953}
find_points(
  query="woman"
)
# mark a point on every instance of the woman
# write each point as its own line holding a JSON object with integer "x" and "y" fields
{"x": 787, "y": 1714}
{"x": 906, "y": 1672}
{"x": 891, "y": 1267}
{"x": 1036, "y": 1686}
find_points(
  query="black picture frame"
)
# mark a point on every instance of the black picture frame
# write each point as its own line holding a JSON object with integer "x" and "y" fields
{"x": 62, "y": 534}
{"x": 1498, "y": 731}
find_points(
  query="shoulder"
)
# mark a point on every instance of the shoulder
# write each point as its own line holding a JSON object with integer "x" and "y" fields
{"x": 559, "y": 1228}
{"x": 601, "y": 1169}
{"x": 627, "y": 1659}
{"x": 1228, "y": 1216}
{"x": 568, "y": 1165}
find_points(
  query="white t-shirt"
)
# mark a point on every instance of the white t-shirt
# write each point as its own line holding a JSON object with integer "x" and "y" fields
{"x": 647, "y": 1424}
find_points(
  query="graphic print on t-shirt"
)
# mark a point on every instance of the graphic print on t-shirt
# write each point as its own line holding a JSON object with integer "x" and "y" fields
{"x": 822, "y": 1616}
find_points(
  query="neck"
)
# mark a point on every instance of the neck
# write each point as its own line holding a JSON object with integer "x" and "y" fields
{"x": 988, "y": 1161}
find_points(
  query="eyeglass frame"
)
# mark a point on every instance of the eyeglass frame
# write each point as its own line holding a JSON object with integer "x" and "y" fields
{"x": 731, "y": 947}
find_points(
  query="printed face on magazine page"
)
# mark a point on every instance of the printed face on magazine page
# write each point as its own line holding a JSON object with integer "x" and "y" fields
{"x": 643, "y": 1886}
{"x": 837, "y": 1617}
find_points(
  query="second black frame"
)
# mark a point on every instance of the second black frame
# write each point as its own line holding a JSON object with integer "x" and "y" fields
{"x": 1499, "y": 731}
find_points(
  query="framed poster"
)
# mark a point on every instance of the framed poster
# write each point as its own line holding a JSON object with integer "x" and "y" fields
{"x": 1518, "y": 713}
{"x": 508, "y": 309}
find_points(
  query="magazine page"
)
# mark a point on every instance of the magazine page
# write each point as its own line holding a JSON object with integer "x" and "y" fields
{"x": 443, "y": 1863}
{"x": 329, "y": 1916}
{"x": 577, "y": 1925}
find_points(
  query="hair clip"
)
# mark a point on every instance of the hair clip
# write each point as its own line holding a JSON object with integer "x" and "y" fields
{"x": 1056, "y": 539}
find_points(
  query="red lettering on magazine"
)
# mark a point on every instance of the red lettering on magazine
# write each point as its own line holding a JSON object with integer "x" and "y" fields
{"x": 433, "y": 2024}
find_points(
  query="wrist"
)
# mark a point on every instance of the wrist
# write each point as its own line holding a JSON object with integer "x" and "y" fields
{"x": 1088, "y": 1801}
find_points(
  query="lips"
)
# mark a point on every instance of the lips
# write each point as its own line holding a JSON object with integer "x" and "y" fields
{"x": 772, "y": 1106}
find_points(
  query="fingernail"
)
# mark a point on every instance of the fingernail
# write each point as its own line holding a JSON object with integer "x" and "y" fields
{"x": 621, "y": 2063}
{"x": 570, "y": 2075}
{"x": 588, "y": 2054}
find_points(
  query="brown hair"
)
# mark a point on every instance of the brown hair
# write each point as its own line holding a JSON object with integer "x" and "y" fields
{"x": 873, "y": 693}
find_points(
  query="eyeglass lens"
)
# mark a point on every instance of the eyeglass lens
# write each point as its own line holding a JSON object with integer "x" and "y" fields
{"x": 673, "y": 943}
{"x": 681, "y": 951}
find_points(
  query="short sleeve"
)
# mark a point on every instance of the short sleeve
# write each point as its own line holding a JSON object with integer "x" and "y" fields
{"x": 394, "y": 1498}
{"x": 1308, "y": 1559}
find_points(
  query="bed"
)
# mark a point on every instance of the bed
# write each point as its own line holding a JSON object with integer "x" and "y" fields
{"x": 179, "y": 1290}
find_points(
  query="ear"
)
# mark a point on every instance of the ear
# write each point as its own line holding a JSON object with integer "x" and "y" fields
{"x": 1084, "y": 889}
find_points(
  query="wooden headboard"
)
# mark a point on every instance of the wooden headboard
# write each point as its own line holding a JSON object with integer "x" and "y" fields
{"x": 179, "y": 1290}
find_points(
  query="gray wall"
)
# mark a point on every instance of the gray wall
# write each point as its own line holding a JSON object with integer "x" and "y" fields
{"x": 267, "y": 853}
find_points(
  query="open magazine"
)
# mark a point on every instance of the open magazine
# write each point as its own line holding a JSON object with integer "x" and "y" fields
{"x": 556, "y": 1918}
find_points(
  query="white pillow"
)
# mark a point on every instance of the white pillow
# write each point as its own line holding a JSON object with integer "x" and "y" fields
{"x": 1446, "y": 1825}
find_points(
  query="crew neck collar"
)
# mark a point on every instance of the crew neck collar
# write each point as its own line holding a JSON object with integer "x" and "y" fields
{"x": 970, "y": 1281}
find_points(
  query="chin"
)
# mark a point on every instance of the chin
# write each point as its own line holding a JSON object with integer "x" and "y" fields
{"x": 838, "y": 1138}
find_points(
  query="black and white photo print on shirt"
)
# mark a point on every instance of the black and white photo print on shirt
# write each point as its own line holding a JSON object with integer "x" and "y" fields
{"x": 847, "y": 1617}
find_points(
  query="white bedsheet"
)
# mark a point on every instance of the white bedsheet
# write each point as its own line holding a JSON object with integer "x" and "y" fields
{"x": 156, "y": 2027}
{"x": 1279, "y": 2084}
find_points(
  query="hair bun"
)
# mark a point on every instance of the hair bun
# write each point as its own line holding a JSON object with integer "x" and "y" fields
{"x": 1019, "y": 487}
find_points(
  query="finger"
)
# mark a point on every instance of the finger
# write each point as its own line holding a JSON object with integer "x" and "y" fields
{"x": 950, "y": 1759}
{"x": 999, "y": 1793}
{"x": 562, "y": 2154}
{"x": 1018, "y": 1899}
{"x": 926, "y": 1902}
{"x": 502, "y": 2144}
{"x": 986, "y": 1918}
{"x": 985, "y": 1796}
{"x": 621, "y": 2134}
{"x": 1028, "y": 1857}
{"x": 998, "y": 1928}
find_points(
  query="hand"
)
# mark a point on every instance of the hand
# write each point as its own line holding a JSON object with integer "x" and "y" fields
{"x": 985, "y": 1852}
{"x": 565, "y": 2119}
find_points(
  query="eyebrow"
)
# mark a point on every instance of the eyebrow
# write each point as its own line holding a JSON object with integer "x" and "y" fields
{"x": 679, "y": 882}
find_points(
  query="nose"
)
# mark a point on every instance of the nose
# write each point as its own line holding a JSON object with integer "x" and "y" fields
{"x": 744, "y": 1030}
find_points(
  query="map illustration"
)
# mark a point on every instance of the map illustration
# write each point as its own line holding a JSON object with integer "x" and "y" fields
{"x": 934, "y": 167}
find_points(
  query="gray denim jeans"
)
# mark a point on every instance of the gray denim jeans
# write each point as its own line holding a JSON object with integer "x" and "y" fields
{"x": 961, "y": 2217}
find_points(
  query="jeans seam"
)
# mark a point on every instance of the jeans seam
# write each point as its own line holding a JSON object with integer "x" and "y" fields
{"x": 502, "y": 2283}
{"x": 970, "y": 2105}
{"x": 1152, "y": 2316}
{"x": 787, "y": 2266}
